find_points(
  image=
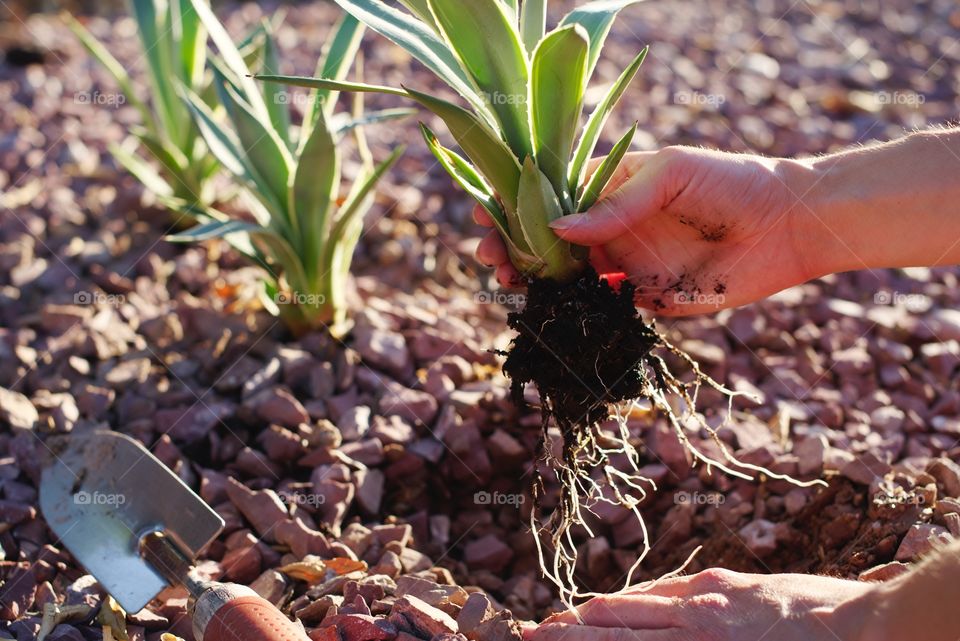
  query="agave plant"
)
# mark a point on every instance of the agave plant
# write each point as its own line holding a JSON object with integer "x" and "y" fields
{"x": 174, "y": 46}
{"x": 525, "y": 88}
{"x": 303, "y": 232}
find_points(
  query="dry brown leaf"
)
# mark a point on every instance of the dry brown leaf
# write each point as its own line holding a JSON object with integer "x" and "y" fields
{"x": 313, "y": 569}
{"x": 342, "y": 565}
{"x": 113, "y": 619}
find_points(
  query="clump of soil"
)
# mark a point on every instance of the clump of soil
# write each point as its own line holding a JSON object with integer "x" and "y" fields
{"x": 585, "y": 346}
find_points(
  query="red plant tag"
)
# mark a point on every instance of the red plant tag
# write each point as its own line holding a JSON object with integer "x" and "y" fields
{"x": 614, "y": 280}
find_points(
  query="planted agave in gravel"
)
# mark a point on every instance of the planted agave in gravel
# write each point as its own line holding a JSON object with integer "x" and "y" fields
{"x": 579, "y": 338}
{"x": 174, "y": 47}
{"x": 303, "y": 232}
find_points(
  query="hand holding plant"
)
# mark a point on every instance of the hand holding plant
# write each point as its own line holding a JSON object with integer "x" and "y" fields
{"x": 695, "y": 230}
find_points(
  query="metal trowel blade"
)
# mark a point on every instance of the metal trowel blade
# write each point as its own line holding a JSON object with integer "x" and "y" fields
{"x": 102, "y": 492}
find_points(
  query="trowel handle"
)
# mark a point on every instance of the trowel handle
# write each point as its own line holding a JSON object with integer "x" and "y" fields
{"x": 229, "y": 612}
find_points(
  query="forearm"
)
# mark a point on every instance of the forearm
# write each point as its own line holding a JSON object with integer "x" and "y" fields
{"x": 891, "y": 205}
{"x": 925, "y": 602}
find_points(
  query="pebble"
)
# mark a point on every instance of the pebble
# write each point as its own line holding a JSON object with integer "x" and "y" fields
{"x": 384, "y": 350}
{"x": 865, "y": 469}
{"x": 921, "y": 539}
{"x": 278, "y": 405}
{"x": 426, "y": 620}
{"x": 947, "y": 474}
{"x": 16, "y": 410}
{"x": 262, "y": 508}
{"x": 885, "y": 572}
{"x": 760, "y": 537}
{"x": 488, "y": 553}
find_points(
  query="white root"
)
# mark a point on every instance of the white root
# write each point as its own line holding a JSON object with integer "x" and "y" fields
{"x": 581, "y": 491}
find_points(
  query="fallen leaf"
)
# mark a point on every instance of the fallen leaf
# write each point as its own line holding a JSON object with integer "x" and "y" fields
{"x": 113, "y": 619}
{"x": 342, "y": 565}
{"x": 313, "y": 569}
{"x": 55, "y": 614}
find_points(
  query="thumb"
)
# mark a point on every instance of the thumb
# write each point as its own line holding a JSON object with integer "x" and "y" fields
{"x": 613, "y": 216}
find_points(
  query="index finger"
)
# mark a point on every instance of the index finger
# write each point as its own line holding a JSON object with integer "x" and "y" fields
{"x": 627, "y": 169}
{"x": 481, "y": 216}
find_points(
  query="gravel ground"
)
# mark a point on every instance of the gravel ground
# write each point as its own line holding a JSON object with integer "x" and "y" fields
{"x": 398, "y": 453}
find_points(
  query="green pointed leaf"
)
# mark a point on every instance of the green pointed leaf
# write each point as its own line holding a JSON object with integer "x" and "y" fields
{"x": 421, "y": 9}
{"x": 418, "y": 40}
{"x": 464, "y": 174}
{"x": 539, "y": 206}
{"x": 591, "y": 133}
{"x": 334, "y": 64}
{"x": 533, "y": 23}
{"x": 484, "y": 147}
{"x": 467, "y": 177}
{"x": 214, "y": 229}
{"x": 222, "y": 143}
{"x": 166, "y": 154}
{"x": 155, "y": 35}
{"x": 189, "y": 32}
{"x": 338, "y": 251}
{"x": 603, "y": 174}
{"x": 341, "y": 126}
{"x": 231, "y": 57}
{"x": 142, "y": 171}
{"x": 286, "y": 257}
{"x": 351, "y": 207}
{"x": 262, "y": 147}
{"x": 596, "y": 17}
{"x": 486, "y": 40}
{"x": 511, "y": 6}
{"x": 273, "y": 96}
{"x": 314, "y": 189}
{"x": 113, "y": 67}
{"x": 334, "y": 85}
{"x": 557, "y": 84}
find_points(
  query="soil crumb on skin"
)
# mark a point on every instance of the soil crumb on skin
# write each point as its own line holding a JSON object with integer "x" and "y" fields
{"x": 584, "y": 345}
{"x": 708, "y": 232}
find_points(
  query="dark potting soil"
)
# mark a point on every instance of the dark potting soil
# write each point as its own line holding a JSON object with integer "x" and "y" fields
{"x": 585, "y": 346}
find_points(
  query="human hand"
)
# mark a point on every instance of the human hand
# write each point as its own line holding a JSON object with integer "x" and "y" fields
{"x": 694, "y": 230}
{"x": 720, "y": 605}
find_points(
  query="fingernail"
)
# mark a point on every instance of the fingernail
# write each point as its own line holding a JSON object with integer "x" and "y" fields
{"x": 567, "y": 222}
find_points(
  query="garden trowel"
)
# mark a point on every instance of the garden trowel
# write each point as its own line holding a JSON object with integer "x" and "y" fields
{"x": 136, "y": 527}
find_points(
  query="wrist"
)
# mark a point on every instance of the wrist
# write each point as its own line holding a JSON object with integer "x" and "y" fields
{"x": 811, "y": 213}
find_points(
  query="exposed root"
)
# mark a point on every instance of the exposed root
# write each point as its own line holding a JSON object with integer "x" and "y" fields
{"x": 592, "y": 357}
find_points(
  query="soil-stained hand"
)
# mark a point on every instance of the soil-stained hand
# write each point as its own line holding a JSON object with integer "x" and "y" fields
{"x": 694, "y": 230}
{"x": 719, "y": 605}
